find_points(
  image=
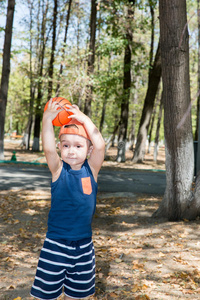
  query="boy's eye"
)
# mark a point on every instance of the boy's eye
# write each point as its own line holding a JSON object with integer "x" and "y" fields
{"x": 65, "y": 146}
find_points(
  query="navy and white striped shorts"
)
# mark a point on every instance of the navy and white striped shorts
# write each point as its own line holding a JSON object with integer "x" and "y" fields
{"x": 65, "y": 264}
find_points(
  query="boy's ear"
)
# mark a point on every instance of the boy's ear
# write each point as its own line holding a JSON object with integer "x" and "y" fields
{"x": 90, "y": 150}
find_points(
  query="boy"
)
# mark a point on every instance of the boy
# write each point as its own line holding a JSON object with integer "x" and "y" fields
{"x": 67, "y": 257}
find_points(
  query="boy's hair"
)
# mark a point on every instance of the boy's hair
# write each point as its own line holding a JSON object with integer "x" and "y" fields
{"x": 74, "y": 127}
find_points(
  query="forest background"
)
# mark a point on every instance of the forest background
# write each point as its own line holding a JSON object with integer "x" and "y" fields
{"x": 51, "y": 47}
{"x": 108, "y": 57}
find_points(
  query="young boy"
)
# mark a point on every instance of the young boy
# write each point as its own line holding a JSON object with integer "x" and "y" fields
{"x": 67, "y": 258}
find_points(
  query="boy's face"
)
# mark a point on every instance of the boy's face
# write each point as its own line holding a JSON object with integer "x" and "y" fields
{"x": 74, "y": 150}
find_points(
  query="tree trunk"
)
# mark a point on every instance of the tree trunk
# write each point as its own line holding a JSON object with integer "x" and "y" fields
{"x": 178, "y": 201}
{"x": 63, "y": 48}
{"x": 27, "y": 135}
{"x": 38, "y": 112}
{"x": 53, "y": 48}
{"x": 132, "y": 130}
{"x": 198, "y": 77}
{"x": 126, "y": 87}
{"x": 5, "y": 72}
{"x": 158, "y": 130}
{"x": 132, "y": 133}
{"x": 152, "y": 121}
{"x": 111, "y": 139}
{"x": 103, "y": 112}
{"x": 154, "y": 80}
{"x": 124, "y": 106}
{"x": 151, "y": 6}
{"x": 91, "y": 57}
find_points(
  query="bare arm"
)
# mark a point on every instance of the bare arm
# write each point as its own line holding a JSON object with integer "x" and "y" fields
{"x": 48, "y": 140}
{"x": 97, "y": 155}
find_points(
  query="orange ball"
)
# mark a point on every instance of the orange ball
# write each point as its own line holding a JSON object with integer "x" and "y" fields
{"x": 62, "y": 117}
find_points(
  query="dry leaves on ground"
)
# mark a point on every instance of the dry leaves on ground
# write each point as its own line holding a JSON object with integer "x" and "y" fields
{"x": 137, "y": 257}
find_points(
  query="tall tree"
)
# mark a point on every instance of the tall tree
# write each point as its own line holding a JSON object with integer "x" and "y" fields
{"x": 178, "y": 201}
{"x": 153, "y": 83}
{"x": 42, "y": 40}
{"x": 27, "y": 134}
{"x": 122, "y": 137}
{"x": 152, "y": 121}
{"x": 91, "y": 57}
{"x": 6, "y": 71}
{"x": 103, "y": 112}
{"x": 198, "y": 77}
{"x": 158, "y": 130}
{"x": 53, "y": 48}
{"x": 64, "y": 45}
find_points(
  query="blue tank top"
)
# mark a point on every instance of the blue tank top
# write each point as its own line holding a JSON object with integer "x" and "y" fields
{"x": 73, "y": 203}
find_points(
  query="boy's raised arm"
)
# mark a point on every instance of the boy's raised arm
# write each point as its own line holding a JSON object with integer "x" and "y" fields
{"x": 48, "y": 138}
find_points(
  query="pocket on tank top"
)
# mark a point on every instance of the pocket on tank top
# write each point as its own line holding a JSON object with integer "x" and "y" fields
{"x": 86, "y": 185}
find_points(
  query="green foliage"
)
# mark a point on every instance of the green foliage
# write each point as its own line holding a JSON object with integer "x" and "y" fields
{"x": 107, "y": 79}
{"x": 18, "y": 106}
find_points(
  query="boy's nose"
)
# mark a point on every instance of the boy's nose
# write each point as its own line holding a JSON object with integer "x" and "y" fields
{"x": 71, "y": 150}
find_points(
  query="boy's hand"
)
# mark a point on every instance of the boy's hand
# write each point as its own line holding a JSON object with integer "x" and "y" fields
{"x": 77, "y": 114}
{"x": 52, "y": 110}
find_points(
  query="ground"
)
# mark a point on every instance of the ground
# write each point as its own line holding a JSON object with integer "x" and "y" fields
{"x": 137, "y": 256}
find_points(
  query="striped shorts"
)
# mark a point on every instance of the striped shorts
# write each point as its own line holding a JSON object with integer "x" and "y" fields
{"x": 65, "y": 264}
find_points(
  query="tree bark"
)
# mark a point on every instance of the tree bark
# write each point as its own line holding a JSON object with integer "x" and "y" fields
{"x": 154, "y": 80}
{"x": 124, "y": 106}
{"x": 26, "y": 138}
{"x": 53, "y": 48}
{"x": 198, "y": 77}
{"x": 178, "y": 201}
{"x": 91, "y": 57}
{"x": 122, "y": 137}
{"x": 63, "y": 48}
{"x": 38, "y": 112}
{"x": 132, "y": 133}
{"x": 6, "y": 71}
{"x": 158, "y": 130}
{"x": 103, "y": 112}
{"x": 152, "y": 121}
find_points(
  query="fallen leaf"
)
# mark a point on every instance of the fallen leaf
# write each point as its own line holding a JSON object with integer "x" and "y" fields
{"x": 113, "y": 295}
{"x": 135, "y": 288}
{"x": 11, "y": 287}
{"x": 137, "y": 250}
{"x": 142, "y": 297}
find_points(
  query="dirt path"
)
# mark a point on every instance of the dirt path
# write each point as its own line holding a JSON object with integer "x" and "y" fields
{"x": 137, "y": 257}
